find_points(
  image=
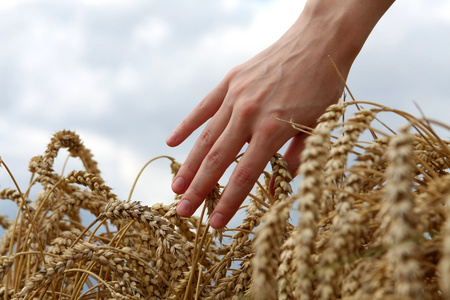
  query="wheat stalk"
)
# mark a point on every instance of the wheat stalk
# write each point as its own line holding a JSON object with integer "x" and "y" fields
{"x": 374, "y": 224}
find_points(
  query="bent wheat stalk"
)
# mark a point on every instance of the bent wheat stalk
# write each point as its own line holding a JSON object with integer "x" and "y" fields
{"x": 372, "y": 222}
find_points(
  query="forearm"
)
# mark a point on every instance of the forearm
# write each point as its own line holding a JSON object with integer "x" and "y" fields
{"x": 351, "y": 20}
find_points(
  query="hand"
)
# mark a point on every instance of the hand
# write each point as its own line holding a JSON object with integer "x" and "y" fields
{"x": 292, "y": 80}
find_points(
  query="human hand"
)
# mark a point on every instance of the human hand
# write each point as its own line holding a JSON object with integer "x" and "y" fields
{"x": 292, "y": 80}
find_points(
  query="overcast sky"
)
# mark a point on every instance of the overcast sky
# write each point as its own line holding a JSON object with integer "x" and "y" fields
{"x": 123, "y": 74}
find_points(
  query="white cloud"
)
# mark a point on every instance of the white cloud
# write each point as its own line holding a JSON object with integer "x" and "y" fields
{"x": 443, "y": 11}
{"x": 406, "y": 59}
{"x": 128, "y": 79}
{"x": 230, "y": 5}
{"x": 47, "y": 54}
{"x": 112, "y": 4}
{"x": 62, "y": 94}
{"x": 18, "y": 141}
{"x": 272, "y": 19}
{"x": 124, "y": 73}
{"x": 120, "y": 164}
{"x": 7, "y": 5}
{"x": 152, "y": 32}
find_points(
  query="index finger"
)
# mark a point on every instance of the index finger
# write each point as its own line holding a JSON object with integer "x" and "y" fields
{"x": 204, "y": 110}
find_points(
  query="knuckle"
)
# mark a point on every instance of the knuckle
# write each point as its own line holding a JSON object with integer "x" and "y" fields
{"x": 186, "y": 170}
{"x": 214, "y": 160}
{"x": 201, "y": 105}
{"x": 248, "y": 109}
{"x": 234, "y": 72}
{"x": 271, "y": 129}
{"x": 243, "y": 176}
{"x": 205, "y": 137}
{"x": 195, "y": 193}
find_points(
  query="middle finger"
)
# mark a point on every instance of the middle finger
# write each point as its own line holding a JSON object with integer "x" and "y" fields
{"x": 202, "y": 146}
{"x": 213, "y": 166}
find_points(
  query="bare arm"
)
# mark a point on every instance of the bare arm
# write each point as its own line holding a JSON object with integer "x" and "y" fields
{"x": 293, "y": 79}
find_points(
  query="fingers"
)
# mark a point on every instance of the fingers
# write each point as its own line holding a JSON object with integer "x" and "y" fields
{"x": 214, "y": 162}
{"x": 211, "y": 169}
{"x": 199, "y": 115}
{"x": 243, "y": 179}
{"x": 212, "y": 155}
{"x": 202, "y": 146}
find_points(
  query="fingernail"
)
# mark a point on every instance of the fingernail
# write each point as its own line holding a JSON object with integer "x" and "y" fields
{"x": 171, "y": 139}
{"x": 184, "y": 208}
{"x": 217, "y": 221}
{"x": 179, "y": 185}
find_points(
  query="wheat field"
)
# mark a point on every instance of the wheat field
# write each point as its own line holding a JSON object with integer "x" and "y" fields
{"x": 374, "y": 224}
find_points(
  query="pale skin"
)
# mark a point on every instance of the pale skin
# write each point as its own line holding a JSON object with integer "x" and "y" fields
{"x": 292, "y": 80}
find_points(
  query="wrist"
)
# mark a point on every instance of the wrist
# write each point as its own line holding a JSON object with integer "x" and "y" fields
{"x": 341, "y": 27}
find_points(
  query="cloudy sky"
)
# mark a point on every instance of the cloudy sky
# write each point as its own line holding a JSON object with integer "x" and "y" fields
{"x": 122, "y": 74}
